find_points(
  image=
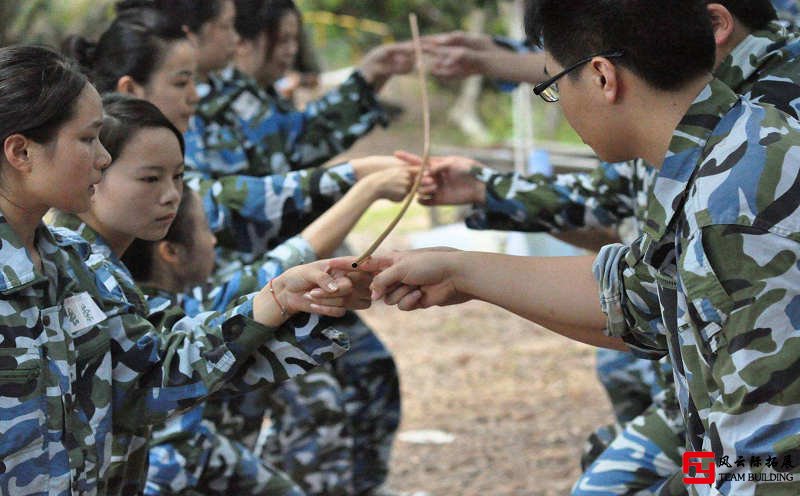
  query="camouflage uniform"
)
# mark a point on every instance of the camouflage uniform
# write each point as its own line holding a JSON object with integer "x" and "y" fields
{"x": 242, "y": 129}
{"x": 245, "y": 148}
{"x": 150, "y": 371}
{"x": 787, "y": 9}
{"x": 765, "y": 67}
{"x": 189, "y": 454}
{"x": 711, "y": 283}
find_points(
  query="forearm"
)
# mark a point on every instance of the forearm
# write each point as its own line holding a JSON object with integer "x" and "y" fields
{"x": 328, "y": 232}
{"x": 559, "y": 293}
{"x": 591, "y": 240}
{"x": 565, "y": 202}
{"x": 520, "y": 67}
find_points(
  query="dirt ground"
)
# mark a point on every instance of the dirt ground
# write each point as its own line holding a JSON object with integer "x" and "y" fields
{"x": 518, "y": 399}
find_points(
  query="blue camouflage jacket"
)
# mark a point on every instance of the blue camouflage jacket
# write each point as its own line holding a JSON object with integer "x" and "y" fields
{"x": 150, "y": 366}
{"x": 713, "y": 283}
{"x": 255, "y": 158}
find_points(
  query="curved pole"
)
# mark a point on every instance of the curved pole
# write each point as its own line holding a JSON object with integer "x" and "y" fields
{"x": 426, "y": 150}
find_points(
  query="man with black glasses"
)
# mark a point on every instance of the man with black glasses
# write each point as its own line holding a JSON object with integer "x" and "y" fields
{"x": 756, "y": 56}
{"x": 700, "y": 251}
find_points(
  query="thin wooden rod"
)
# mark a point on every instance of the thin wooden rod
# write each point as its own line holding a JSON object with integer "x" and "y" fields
{"x": 426, "y": 150}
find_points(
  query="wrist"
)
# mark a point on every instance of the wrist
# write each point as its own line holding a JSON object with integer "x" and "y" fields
{"x": 280, "y": 296}
{"x": 479, "y": 193}
{"x": 358, "y": 166}
{"x": 456, "y": 268}
{"x": 265, "y": 311}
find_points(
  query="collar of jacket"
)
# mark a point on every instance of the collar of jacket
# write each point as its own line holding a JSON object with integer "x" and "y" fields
{"x": 758, "y": 52}
{"x": 18, "y": 270}
{"x": 685, "y": 154}
{"x": 222, "y": 89}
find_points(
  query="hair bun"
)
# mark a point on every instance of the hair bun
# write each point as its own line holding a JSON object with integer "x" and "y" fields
{"x": 124, "y": 5}
{"x": 80, "y": 49}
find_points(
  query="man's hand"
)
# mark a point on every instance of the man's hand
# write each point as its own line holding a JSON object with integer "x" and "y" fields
{"x": 448, "y": 181}
{"x": 412, "y": 279}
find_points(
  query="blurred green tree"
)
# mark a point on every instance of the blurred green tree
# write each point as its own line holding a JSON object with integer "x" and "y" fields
{"x": 49, "y": 21}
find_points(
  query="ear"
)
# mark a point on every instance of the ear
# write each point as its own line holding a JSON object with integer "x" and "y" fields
{"x": 16, "y": 149}
{"x": 170, "y": 252}
{"x": 191, "y": 36}
{"x": 127, "y": 85}
{"x": 723, "y": 23}
{"x": 606, "y": 78}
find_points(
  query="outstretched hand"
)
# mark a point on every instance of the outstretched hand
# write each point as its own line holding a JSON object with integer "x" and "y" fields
{"x": 411, "y": 279}
{"x": 339, "y": 290}
{"x": 457, "y": 54}
{"x": 448, "y": 180}
{"x": 385, "y": 61}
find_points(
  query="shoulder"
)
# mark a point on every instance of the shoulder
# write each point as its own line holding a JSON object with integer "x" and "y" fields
{"x": 749, "y": 171}
{"x": 70, "y": 240}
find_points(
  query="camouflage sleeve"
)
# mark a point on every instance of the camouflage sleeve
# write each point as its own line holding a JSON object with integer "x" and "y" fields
{"x": 331, "y": 124}
{"x": 169, "y": 361}
{"x": 629, "y": 298}
{"x": 251, "y": 278}
{"x": 743, "y": 320}
{"x": 567, "y": 201}
{"x": 239, "y": 206}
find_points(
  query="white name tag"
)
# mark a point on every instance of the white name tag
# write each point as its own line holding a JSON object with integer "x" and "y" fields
{"x": 81, "y": 313}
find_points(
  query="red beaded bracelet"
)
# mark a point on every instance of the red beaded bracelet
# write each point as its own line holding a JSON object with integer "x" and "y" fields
{"x": 275, "y": 297}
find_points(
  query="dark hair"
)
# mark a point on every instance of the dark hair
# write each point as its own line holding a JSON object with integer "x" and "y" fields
{"x": 254, "y": 17}
{"x": 124, "y": 115}
{"x": 667, "y": 44}
{"x": 755, "y": 14}
{"x": 190, "y": 13}
{"x": 134, "y": 45}
{"x": 140, "y": 256}
{"x": 39, "y": 89}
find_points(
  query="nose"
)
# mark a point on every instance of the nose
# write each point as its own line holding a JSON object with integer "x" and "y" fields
{"x": 213, "y": 239}
{"x": 193, "y": 96}
{"x": 173, "y": 193}
{"x": 103, "y": 158}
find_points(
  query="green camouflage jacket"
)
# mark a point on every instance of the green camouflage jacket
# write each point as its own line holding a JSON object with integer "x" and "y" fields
{"x": 713, "y": 283}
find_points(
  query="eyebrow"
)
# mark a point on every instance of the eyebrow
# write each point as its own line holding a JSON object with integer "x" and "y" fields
{"x": 95, "y": 124}
{"x": 185, "y": 73}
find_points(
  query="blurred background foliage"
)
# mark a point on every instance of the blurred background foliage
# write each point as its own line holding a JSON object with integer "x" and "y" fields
{"x": 342, "y": 31}
{"x": 49, "y": 21}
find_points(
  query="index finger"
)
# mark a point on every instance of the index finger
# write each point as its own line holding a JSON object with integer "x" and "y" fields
{"x": 408, "y": 157}
{"x": 371, "y": 264}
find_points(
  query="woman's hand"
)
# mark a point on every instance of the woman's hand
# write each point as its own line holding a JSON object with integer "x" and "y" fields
{"x": 366, "y": 166}
{"x": 391, "y": 184}
{"x": 288, "y": 294}
{"x": 385, "y": 61}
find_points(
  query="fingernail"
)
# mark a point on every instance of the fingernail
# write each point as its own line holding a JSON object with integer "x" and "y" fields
{"x": 308, "y": 296}
{"x": 332, "y": 286}
{"x": 374, "y": 295}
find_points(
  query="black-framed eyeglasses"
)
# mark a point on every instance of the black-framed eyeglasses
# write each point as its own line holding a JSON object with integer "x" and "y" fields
{"x": 548, "y": 90}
